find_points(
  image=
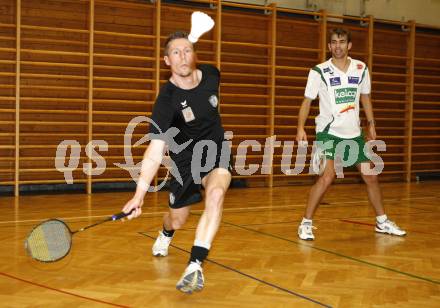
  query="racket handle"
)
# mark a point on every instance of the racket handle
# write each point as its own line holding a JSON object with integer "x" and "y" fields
{"x": 121, "y": 215}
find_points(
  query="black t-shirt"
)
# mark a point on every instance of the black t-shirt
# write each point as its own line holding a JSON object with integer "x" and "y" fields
{"x": 193, "y": 112}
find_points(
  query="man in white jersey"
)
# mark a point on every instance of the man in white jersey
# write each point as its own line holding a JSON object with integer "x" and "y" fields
{"x": 341, "y": 82}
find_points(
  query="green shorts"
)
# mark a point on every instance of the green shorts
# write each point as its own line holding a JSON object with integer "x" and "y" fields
{"x": 351, "y": 150}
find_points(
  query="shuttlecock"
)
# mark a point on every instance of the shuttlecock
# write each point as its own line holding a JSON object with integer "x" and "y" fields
{"x": 200, "y": 24}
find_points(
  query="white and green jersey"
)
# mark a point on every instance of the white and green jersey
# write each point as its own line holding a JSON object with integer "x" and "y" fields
{"x": 339, "y": 95}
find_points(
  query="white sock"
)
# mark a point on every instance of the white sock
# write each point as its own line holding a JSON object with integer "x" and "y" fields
{"x": 381, "y": 219}
{"x": 202, "y": 244}
{"x": 305, "y": 220}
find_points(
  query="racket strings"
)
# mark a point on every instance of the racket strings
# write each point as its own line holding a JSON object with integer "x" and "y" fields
{"x": 49, "y": 241}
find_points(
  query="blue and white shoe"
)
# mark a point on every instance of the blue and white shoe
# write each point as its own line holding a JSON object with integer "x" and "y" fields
{"x": 389, "y": 227}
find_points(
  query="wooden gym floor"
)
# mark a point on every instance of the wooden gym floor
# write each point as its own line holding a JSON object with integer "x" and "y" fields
{"x": 256, "y": 260}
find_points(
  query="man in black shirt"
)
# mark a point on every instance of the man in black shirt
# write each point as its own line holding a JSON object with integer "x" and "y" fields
{"x": 187, "y": 103}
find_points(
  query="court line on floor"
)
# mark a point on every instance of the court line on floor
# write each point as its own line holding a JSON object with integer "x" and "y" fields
{"x": 299, "y": 220}
{"x": 247, "y": 275}
{"x": 350, "y": 221}
{"x": 337, "y": 254}
{"x": 61, "y": 291}
{"x": 249, "y": 208}
{"x": 86, "y": 220}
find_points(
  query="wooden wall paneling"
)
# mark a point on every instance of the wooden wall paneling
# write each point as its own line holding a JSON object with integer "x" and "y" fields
{"x": 8, "y": 94}
{"x": 323, "y": 34}
{"x": 17, "y": 98}
{"x": 370, "y": 37}
{"x": 272, "y": 41}
{"x": 299, "y": 48}
{"x": 389, "y": 94}
{"x": 158, "y": 46}
{"x": 246, "y": 79}
{"x": 425, "y": 153}
{"x": 90, "y": 93}
{"x": 218, "y": 51}
{"x": 64, "y": 76}
{"x": 53, "y": 91}
{"x": 218, "y": 37}
{"x": 410, "y": 99}
{"x": 124, "y": 79}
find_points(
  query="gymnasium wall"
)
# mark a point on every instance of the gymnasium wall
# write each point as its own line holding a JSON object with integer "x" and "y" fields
{"x": 81, "y": 70}
{"x": 424, "y": 11}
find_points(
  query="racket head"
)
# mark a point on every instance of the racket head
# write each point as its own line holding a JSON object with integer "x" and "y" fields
{"x": 49, "y": 241}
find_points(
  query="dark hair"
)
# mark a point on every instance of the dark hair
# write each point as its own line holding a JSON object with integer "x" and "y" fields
{"x": 174, "y": 36}
{"x": 340, "y": 32}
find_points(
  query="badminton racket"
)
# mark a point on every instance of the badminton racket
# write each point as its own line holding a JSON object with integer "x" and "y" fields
{"x": 51, "y": 240}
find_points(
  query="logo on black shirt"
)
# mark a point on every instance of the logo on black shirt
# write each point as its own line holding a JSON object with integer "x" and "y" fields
{"x": 188, "y": 114}
{"x": 213, "y": 100}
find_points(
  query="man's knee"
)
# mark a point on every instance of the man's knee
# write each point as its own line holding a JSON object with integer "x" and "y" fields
{"x": 215, "y": 196}
{"x": 177, "y": 222}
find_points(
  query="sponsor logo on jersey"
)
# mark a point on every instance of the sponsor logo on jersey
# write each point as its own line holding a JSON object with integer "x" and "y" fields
{"x": 353, "y": 80}
{"x": 349, "y": 107}
{"x": 328, "y": 69}
{"x": 335, "y": 81}
{"x": 360, "y": 66}
{"x": 213, "y": 100}
{"x": 188, "y": 114}
{"x": 345, "y": 95}
{"x": 184, "y": 104}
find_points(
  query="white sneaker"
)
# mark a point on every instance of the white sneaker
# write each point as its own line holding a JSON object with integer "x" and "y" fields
{"x": 305, "y": 231}
{"x": 389, "y": 227}
{"x": 192, "y": 279}
{"x": 160, "y": 247}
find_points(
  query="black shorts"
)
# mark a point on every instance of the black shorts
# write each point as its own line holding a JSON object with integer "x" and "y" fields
{"x": 189, "y": 193}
